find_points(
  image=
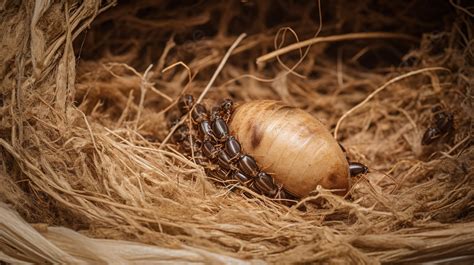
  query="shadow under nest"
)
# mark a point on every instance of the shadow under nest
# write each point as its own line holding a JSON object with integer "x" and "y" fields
{"x": 84, "y": 116}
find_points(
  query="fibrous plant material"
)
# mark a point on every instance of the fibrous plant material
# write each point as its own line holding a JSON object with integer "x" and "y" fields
{"x": 85, "y": 85}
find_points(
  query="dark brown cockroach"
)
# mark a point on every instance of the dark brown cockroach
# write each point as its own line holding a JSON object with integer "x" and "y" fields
{"x": 233, "y": 149}
{"x": 185, "y": 103}
{"x": 356, "y": 168}
{"x": 226, "y": 109}
{"x": 221, "y": 131}
{"x": 209, "y": 150}
{"x": 181, "y": 133}
{"x": 441, "y": 125}
{"x": 241, "y": 177}
{"x": 199, "y": 113}
{"x": 206, "y": 131}
{"x": 224, "y": 160}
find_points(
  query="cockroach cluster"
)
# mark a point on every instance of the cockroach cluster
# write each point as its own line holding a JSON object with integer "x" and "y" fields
{"x": 207, "y": 138}
{"x": 219, "y": 152}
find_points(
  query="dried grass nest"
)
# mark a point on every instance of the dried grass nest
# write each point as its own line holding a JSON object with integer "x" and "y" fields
{"x": 85, "y": 175}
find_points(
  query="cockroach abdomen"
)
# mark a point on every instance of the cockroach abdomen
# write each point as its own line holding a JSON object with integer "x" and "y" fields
{"x": 232, "y": 147}
{"x": 220, "y": 128}
{"x": 248, "y": 165}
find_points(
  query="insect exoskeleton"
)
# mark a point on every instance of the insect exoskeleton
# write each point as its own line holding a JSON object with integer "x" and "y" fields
{"x": 290, "y": 144}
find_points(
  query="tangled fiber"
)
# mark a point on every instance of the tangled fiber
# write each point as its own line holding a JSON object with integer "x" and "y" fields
{"x": 87, "y": 177}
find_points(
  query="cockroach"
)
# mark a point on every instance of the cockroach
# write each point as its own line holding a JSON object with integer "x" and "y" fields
{"x": 290, "y": 144}
{"x": 441, "y": 125}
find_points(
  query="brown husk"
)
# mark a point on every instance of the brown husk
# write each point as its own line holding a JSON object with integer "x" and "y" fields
{"x": 83, "y": 99}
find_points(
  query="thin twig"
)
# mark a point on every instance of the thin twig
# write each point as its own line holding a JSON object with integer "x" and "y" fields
{"x": 221, "y": 65}
{"x": 335, "y": 38}
{"x": 182, "y": 64}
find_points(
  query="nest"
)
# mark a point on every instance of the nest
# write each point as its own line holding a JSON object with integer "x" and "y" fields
{"x": 87, "y": 177}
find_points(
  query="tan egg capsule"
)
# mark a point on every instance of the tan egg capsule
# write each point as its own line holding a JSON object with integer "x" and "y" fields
{"x": 291, "y": 145}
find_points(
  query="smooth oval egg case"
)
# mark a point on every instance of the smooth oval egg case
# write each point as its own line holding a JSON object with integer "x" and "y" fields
{"x": 290, "y": 144}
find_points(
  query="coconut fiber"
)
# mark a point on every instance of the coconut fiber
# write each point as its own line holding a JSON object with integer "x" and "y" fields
{"x": 86, "y": 175}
